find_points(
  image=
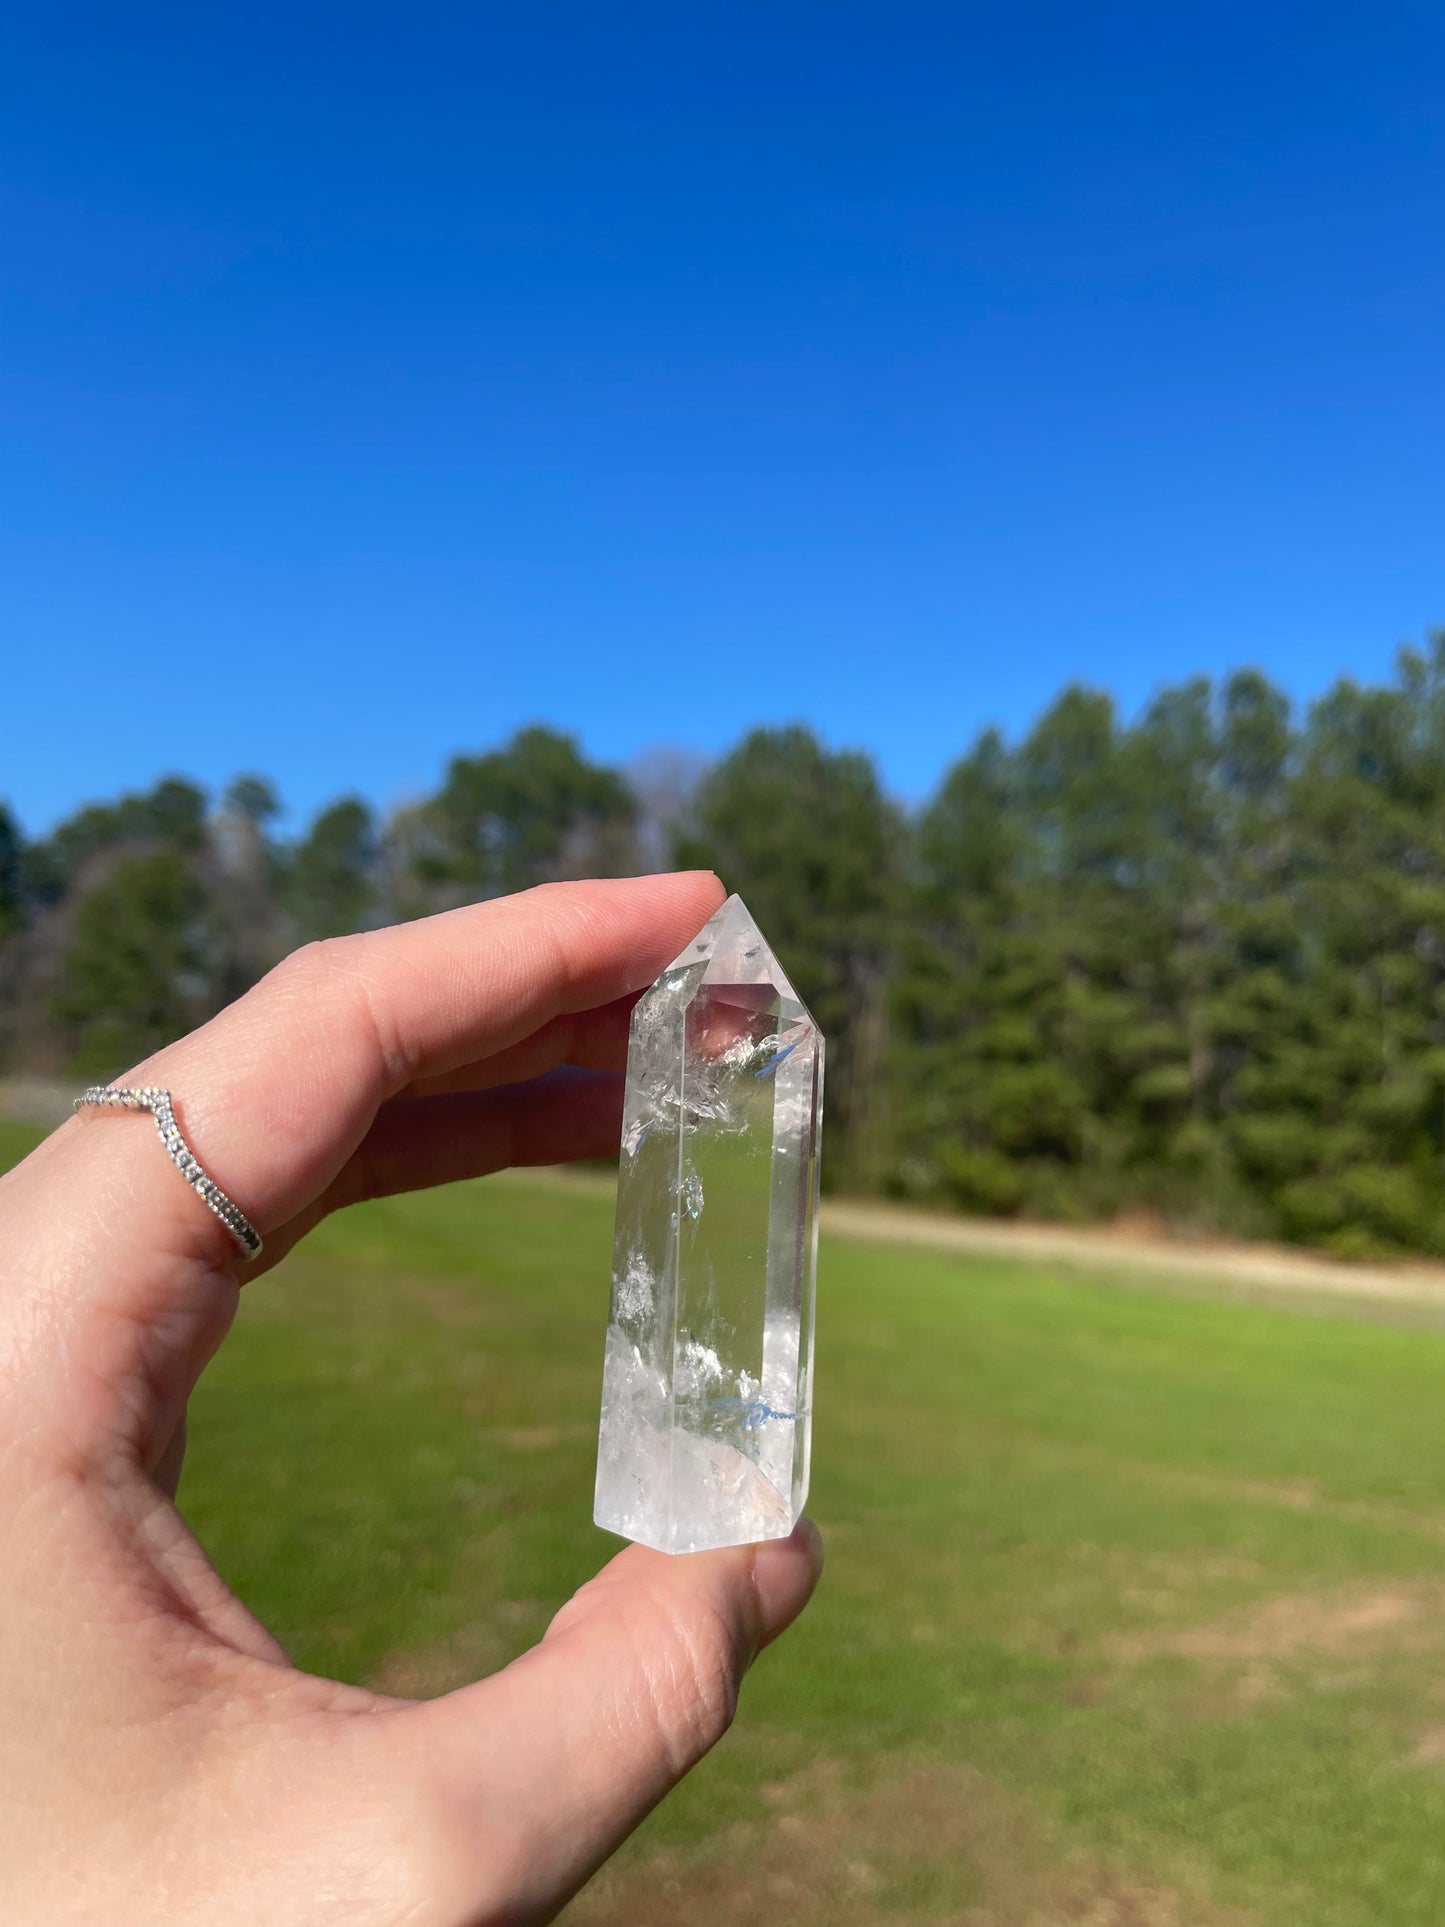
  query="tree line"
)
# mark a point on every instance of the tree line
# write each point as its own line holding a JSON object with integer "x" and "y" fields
{"x": 1191, "y": 963}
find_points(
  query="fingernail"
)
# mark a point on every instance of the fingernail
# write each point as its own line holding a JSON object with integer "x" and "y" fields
{"x": 807, "y": 1530}
{"x": 785, "y": 1572}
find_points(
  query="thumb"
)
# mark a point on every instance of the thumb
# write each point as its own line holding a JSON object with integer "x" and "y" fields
{"x": 558, "y": 1757}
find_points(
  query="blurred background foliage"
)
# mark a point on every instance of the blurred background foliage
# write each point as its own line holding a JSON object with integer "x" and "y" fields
{"x": 1190, "y": 964}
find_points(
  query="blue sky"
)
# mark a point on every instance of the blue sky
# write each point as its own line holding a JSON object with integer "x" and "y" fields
{"x": 378, "y": 379}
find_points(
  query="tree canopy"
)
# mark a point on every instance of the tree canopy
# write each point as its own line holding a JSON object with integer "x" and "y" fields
{"x": 1191, "y": 962}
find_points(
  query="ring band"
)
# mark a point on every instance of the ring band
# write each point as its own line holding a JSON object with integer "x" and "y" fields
{"x": 158, "y": 1103}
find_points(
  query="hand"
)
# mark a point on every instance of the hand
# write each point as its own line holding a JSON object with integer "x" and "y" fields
{"x": 160, "y": 1761}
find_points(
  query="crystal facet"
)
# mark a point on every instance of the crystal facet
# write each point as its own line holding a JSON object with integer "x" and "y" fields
{"x": 707, "y": 1383}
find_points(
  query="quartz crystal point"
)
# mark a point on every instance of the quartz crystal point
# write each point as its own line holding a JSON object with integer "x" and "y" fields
{"x": 707, "y": 1384}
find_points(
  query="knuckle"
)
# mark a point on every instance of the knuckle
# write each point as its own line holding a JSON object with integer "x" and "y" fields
{"x": 319, "y": 961}
{"x": 567, "y": 924}
{"x": 338, "y": 973}
{"x": 683, "y": 1659}
{"x": 296, "y": 979}
{"x": 691, "y": 1676}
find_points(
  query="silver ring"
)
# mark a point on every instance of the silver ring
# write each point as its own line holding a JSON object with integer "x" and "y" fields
{"x": 158, "y": 1103}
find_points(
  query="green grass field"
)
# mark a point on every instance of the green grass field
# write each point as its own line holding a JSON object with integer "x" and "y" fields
{"x": 1134, "y": 1613}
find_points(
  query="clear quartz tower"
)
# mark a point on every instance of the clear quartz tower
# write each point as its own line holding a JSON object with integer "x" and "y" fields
{"x": 707, "y": 1384}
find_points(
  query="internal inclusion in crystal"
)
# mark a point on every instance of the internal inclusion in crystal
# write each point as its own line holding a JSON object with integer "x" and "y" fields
{"x": 707, "y": 1384}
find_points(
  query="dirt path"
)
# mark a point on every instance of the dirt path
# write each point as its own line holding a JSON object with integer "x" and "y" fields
{"x": 1146, "y": 1250}
{"x": 1110, "y": 1248}
{"x": 1096, "y": 1248}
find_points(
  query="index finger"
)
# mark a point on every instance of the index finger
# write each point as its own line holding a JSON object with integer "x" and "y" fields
{"x": 276, "y": 1092}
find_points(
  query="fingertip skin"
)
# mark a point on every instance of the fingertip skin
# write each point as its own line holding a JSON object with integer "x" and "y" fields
{"x": 785, "y": 1573}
